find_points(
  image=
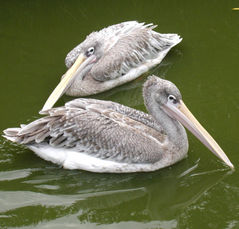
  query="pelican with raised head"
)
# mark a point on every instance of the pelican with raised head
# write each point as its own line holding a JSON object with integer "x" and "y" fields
{"x": 104, "y": 136}
{"x": 111, "y": 57}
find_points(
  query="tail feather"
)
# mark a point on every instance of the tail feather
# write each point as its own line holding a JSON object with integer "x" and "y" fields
{"x": 11, "y": 131}
{"x": 36, "y": 131}
{"x": 35, "y": 126}
{"x": 12, "y": 134}
{"x": 170, "y": 39}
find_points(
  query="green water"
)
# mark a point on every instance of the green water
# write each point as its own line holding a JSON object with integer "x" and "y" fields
{"x": 198, "y": 192}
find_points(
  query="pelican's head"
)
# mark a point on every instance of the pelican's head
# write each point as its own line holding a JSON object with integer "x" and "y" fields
{"x": 159, "y": 90}
{"x": 79, "y": 61}
{"x": 90, "y": 49}
{"x": 168, "y": 97}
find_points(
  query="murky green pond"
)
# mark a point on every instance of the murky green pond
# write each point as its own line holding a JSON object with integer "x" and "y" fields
{"x": 198, "y": 192}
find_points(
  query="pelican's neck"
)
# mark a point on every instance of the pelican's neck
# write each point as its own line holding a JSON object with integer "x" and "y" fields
{"x": 172, "y": 128}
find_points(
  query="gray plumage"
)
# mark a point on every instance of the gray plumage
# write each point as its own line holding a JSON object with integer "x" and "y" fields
{"x": 111, "y": 131}
{"x": 123, "y": 52}
{"x": 103, "y": 128}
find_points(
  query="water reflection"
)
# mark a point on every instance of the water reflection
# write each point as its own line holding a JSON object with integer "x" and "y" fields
{"x": 36, "y": 35}
{"x": 31, "y": 196}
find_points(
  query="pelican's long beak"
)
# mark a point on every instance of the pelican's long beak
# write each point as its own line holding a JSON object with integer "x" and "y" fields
{"x": 64, "y": 83}
{"x": 184, "y": 116}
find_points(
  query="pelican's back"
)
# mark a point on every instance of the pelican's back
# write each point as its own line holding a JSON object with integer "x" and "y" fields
{"x": 101, "y": 129}
{"x": 125, "y": 51}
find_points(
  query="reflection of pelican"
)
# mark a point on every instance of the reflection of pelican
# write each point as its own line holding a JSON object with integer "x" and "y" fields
{"x": 111, "y": 57}
{"x": 103, "y": 136}
{"x": 163, "y": 197}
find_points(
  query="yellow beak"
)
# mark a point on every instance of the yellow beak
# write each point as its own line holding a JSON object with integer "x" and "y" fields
{"x": 64, "y": 83}
{"x": 184, "y": 116}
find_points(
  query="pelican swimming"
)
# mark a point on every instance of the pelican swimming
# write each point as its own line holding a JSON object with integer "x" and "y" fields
{"x": 111, "y": 57}
{"x": 104, "y": 136}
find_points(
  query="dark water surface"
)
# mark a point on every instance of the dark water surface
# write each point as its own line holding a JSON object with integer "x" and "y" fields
{"x": 198, "y": 192}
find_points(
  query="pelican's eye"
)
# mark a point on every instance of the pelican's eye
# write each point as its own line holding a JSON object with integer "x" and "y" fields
{"x": 172, "y": 99}
{"x": 90, "y": 51}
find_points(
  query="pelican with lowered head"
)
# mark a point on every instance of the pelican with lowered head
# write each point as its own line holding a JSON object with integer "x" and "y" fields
{"x": 111, "y": 57}
{"x": 104, "y": 136}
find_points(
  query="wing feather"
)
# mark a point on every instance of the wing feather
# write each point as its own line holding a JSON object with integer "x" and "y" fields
{"x": 94, "y": 127}
{"x": 126, "y": 45}
{"x": 132, "y": 49}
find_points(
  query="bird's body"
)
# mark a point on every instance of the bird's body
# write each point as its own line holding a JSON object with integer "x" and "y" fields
{"x": 111, "y": 57}
{"x": 128, "y": 50}
{"x": 103, "y": 136}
